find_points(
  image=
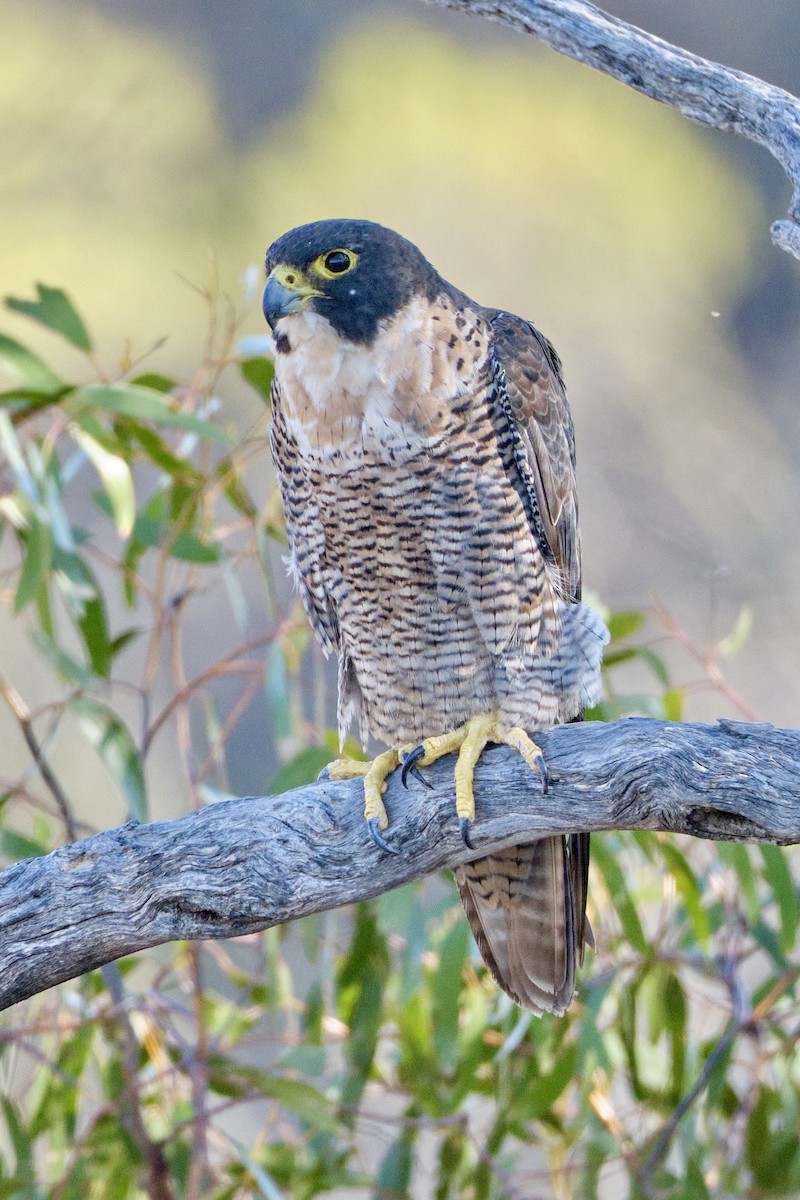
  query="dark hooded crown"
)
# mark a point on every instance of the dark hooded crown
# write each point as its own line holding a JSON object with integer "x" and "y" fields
{"x": 388, "y": 273}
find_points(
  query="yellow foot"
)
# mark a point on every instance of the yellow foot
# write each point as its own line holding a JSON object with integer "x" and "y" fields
{"x": 374, "y": 774}
{"x": 468, "y": 741}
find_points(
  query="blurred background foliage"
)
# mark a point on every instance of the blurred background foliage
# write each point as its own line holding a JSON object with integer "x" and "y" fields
{"x": 153, "y": 657}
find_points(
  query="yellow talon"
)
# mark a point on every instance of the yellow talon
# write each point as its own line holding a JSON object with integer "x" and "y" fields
{"x": 468, "y": 742}
{"x": 519, "y": 740}
{"x": 375, "y": 785}
{"x": 347, "y": 768}
{"x": 374, "y": 774}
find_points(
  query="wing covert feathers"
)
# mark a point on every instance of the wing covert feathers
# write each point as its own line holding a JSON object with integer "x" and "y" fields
{"x": 531, "y": 390}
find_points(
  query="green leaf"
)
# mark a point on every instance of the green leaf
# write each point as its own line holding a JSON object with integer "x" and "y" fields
{"x": 117, "y": 480}
{"x": 688, "y": 889}
{"x": 769, "y": 942}
{"x": 38, "y": 544}
{"x": 732, "y": 644}
{"x": 303, "y": 768}
{"x": 542, "y": 1093}
{"x": 155, "y": 381}
{"x": 258, "y": 372}
{"x": 655, "y": 663}
{"x": 720, "y": 1093}
{"x": 620, "y": 896}
{"x": 772, "y": 1144}
{"x": 83, "y": 596}
{"x": 189, "y": 548}
{"x": 737, "y": 856}
{"x": 360, "y": 995}
{"x": 694, "y": 1183}
{"x": 19, "y": 1137}
{"x": 54, "y": 310}
{"x": 68, "y": 667}
{"x": 118, "y": 644}
{"x": 623, "y": 624}
{"x": 157, "y": 450}
{"x": 305, "y": 1059}
{"x": 22, "y": 473}
{"x": 15, "y": 845}
{"x": 301, "y": 1098}
{"x": 672, "y": 700}
{"x": 143, "y": 404}
{"x": 394, "y": 1174}
{"x": 29, "y": 368}
{"x": 779, "y": 877}
{"x": 446, "y": 990}
{"x": 235, "y": 489}
{"x": 115, "y": 746}
{"x": 266, "y": 1185}
{"x": 613, "y": 658}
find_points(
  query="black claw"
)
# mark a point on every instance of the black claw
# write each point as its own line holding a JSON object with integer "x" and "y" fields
{"x": 542, "y": 765}
{"x": 417, "y": 774}
{"x": 420, "y": 778}
{"x": 378, "y": 838}
{"x": 410, "y": 766}
{"x": 463, "y": 824}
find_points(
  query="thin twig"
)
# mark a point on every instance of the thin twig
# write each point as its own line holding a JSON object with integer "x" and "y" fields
{"x": 25, "y": 720}
{"x": 233, "y": 718}
{"x": 159, "y": 1177}
{"x": 708, "y": 661}
{"x": 229, "y": 663}
{"x": 199, "y": 1179}
{"x": 740, "y": 1019}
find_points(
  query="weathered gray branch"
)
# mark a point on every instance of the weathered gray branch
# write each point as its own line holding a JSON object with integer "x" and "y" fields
{"x": 245, "y": 865}
{"x": 704, "y": 91}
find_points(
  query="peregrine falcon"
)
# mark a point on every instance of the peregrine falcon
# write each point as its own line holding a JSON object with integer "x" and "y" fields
{"x": 425, "y": 454}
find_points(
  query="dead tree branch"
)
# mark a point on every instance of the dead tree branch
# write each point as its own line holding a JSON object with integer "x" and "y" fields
{"x": 245, "y": 865}
{"x": 703, "y": 91}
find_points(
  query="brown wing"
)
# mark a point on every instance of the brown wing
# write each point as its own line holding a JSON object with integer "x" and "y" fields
{"x": 527, "y": 905}
{"x": 531, "y": 388}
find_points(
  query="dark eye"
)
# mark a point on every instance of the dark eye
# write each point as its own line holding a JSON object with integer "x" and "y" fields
{"x": 337, "y": 262}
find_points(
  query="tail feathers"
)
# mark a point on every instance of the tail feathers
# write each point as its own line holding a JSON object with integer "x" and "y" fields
{"x": 526, "y": 906}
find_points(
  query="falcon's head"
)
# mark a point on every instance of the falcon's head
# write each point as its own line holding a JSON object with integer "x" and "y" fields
{"x": 353, "y": 273}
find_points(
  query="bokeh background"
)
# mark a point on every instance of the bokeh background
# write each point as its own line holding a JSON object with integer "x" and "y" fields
{"x": 152, "y": 150}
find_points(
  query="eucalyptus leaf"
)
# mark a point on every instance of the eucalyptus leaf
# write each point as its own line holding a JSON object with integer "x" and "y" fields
{"x": 303, "y": 768}
{"x": 624, "y": 624}
{"x": 394, "y": 1173}
{"x": 55, "y": 311}
{"x": 117, "y": 750}
{"x": 143, "y": 404}
{"x": 38, "y": 554}
{"x": 258, "y": 372}
{"x": 32, "y": 371}
{"x": 117, "y": 479}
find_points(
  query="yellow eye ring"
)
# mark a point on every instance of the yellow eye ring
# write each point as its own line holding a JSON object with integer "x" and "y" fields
{"x": 335, "y": 262}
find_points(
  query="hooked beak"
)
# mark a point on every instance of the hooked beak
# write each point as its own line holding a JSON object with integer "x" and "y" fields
{"x": 287, "y": 291}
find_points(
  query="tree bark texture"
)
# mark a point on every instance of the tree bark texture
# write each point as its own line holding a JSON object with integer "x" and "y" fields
{"x": 244, "y": 865}
{"x": 702, "y": 90}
